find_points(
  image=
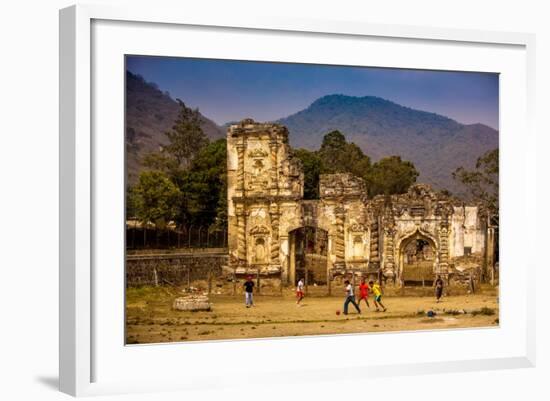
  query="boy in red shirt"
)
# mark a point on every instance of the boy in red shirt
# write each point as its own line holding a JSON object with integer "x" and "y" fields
{"x": 363, "y": 292}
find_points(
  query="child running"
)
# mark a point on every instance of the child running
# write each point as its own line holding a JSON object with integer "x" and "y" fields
{"x": 377, "y": 291}
{"x": 299, "y": 291}
{"x": 363, "y": 292}
{"x": 350, "y": 298}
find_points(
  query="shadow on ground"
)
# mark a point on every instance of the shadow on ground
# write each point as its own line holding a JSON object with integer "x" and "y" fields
{"x": 52, "y": 382}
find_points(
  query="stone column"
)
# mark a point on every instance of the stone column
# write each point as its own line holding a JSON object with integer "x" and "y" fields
{"x": 374, "y": 259}
{"x": 241, "y": 233}
{"x": 389, "y": 251}
{"x": 443, "y": 250}
{"x": 240, "y": 168}
{"x": 273, "y": 147}
{"x": 292, "y": 266}
{"x": 284, "y": 241}
{"x": 490, "y": 254}
{"x": 388, "y": 270}
{"x": 339, "y": 241}
{"x": 275, "y": 246}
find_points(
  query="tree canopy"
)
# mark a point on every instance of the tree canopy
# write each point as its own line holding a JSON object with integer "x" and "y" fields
{"x": 482, "y": 182}
{"x": 311, "y": 167}
{"x": 205, "y": 186}
{"x": 196, "y": 168}
{"x": 155, "y": 198}
{"x": 186, "y": 138}
{"x": 339, "y": 156}
{"x": 390, "y": 175}
{"x": 187, "y": 180}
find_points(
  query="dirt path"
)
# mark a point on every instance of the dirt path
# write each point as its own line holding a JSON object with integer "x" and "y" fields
{"x": 150, "y": 318}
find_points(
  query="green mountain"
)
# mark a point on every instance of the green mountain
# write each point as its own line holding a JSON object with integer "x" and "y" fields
{"x": 437, "y": 145}
{"x": 149, "y": 114}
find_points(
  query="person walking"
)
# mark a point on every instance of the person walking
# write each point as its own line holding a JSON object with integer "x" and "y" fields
{"x": 248, "y": 290}
{"x": 350, "y": 298}
{"x": 300, "y": 291}
{"x": 438, "y": 284}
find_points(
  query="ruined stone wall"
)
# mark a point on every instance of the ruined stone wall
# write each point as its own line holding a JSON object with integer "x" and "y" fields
{"x": 296, "y": 215}
{"x": 173, "y": 269}
{"x": 343, "y": 198}
{"x": 467, "y": 230}
{"x": 467, "y": 257}
{"x": 264, "y": 184}
{"x": 265, "y": 191}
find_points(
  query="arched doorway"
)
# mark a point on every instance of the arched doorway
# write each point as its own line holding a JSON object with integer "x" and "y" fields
{"x": 417, "y": 260}
{"x": 308, "y": 255}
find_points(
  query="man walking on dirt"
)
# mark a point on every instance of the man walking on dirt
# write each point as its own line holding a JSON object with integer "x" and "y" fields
{"x": 248, "y": 290}
{"x": 350, "y": 298}
{"x": 438, "y": 288}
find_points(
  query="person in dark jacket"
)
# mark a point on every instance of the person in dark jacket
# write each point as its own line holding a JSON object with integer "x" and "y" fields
{"x": 438, "y": 284}
{"x": 248, "y": 290}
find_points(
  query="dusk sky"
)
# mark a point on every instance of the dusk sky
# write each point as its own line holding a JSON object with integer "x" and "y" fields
{"x": 225, "y": 90}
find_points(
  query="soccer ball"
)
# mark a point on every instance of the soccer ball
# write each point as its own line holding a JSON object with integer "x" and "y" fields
{"x": 337, "y": 313}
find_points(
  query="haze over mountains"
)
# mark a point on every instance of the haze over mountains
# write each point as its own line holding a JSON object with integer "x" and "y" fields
{"x": 437, "y": 145}
{"x": 149, "y": 114}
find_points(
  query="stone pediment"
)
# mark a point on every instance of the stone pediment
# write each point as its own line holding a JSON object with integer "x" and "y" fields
{"x": 257, "y": 153}
{"x": 259, "y": 230}
{"x": 421, "y": 191}
{"x": 341, "y": 184}
{"x": 357, "y": 227}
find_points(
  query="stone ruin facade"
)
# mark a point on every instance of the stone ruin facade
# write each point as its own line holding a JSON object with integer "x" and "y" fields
{"x": 274, "y": 232}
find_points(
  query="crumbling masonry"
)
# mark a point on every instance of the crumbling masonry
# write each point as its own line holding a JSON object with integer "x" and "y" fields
{"x": 273, "y": 231}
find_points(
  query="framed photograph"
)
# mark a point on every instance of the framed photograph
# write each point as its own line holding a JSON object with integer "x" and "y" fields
{"x": 261, "y": 197}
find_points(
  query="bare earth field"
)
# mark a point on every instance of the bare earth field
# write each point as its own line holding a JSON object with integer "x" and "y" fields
{"x": 151, "y": 319}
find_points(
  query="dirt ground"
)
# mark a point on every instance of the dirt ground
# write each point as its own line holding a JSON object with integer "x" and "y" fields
{"x": 151, "y": 319}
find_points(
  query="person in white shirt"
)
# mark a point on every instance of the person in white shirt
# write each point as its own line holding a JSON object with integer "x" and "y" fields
{"x": 300, "y": 291}
{"x": 350, "y": 298}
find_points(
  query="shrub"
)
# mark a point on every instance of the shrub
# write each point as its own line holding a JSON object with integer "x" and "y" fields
{"x": 484, "y": 311}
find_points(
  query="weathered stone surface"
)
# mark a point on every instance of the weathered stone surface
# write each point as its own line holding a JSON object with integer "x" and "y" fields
{"x": 267, "y": 215}
{"x": 172, "y": 269}
{"x": 192, "y": 303}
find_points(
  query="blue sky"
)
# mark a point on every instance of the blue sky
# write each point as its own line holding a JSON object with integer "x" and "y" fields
{"x": 227, "y": 90}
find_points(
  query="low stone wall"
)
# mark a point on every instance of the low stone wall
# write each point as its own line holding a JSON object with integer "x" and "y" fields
{"x": 203, "y": 271}
{"x": 173, "y": 269}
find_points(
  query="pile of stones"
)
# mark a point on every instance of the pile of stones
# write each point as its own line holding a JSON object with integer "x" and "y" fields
{"x": 192, "y": 303}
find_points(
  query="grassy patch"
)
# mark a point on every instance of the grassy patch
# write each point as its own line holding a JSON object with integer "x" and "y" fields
{"x": 484, "y": 311}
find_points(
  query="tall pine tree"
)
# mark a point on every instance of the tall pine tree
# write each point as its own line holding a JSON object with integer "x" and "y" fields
{"x": 186, "y": 138}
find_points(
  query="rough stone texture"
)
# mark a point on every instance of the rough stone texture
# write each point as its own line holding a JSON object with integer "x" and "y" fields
{"x": 172, "y": 269}
{"x": 265, "y": 210}
{"x": 192, "y": 303}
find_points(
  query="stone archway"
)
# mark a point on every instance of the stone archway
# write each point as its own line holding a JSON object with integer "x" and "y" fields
{"x": 417, "y": 258}
{"x": 308, "y": 255}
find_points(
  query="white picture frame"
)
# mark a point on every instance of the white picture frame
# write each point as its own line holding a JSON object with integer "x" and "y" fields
{"x": 85, "y": 158}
